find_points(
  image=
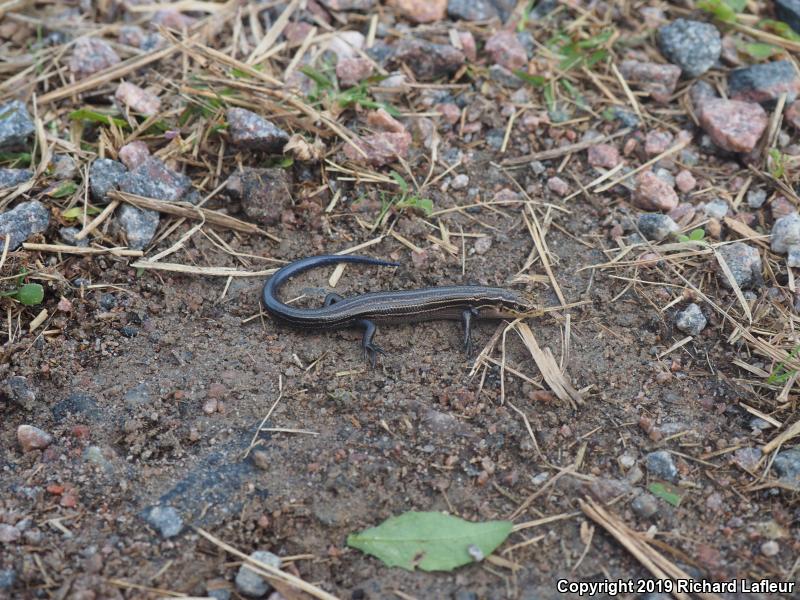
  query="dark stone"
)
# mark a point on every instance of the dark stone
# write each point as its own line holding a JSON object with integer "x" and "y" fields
{"x": 428, "y": 60}
{"x": 7, "y": 578}
{"x": 13, "y": 177}
{"x": 129, "y": 331}
{"x": 17, "y": 389}
{"x": 253, "y": 132}
{"x": 264, "y": 193}
{"x": 68, "y": 235}
{"x": 480, "y": 10}
{"x": 23, "y": 221}
{"x": 16, "y": 125}
{"x": 764, "y": 83}
{"x": 108, "y": 301}
{"x": 78, "y": 404}
{"x": 105, "y": 175}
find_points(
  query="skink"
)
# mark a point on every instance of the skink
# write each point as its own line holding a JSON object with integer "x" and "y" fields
{"x": 465, "y": 303}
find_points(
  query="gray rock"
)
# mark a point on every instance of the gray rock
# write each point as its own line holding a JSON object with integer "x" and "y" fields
{"x": 694, "y": 46}
{"x": 253, "y": 132}
{"x": 659, "y": 464}
{"x": 23, "y": 221}
{"x": 764, "y": 83}
{"x": 691, "y": 320}
{"x": 787, "y": 466}
{"x": 13, "y": 177}
{"x": 460, "y": 182}
{"x": 645, "y": 505}
{"x": 479, "y": 10}
{"x": 165, "y": 520}
{"x": 264, "y": 193}
{"x": 17, "y": 389}
{"x": 504, "y": 77}
{"x": 745, "y": 264}
{"x": 788, "y": 11}
{"x": 655, "y": 226}
{"x": 785, "y": 233}
{"x": 153, "y": 179}
{"x": 716, "y": 209}
{"x": 756, "y": 198}
{"x": 7, "y": 578}
{"x": 428, "y": 60}
{"x": 250, "y": 583}
{"x": 219, "y": 594}
{"x": 626, "y": 117}
{"x": 62, "y": 167}
{"x": 16, "y": 125}
{"x": 140, "y": 225}
{"x": 793, "y": 256}
{"x": 68, "y": 235}
{"x": 105, "y": 175}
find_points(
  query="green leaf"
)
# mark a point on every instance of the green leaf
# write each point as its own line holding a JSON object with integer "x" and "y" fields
{"x": 317, "y": 77}
{"x": 16, "y": 158}
{"x": 76, "y": 212}
{"x": 30, "y": 294}
{"x": 534, "y": 80}
{"x": 84, "y": 114}
{"x": 697, "y": 235}
{"x": 666, "y": 491}
{"x": 65, "y": 188}
{"x": 720, "y": 9}
{"x": 780, "y": 28}
{"x": 431, "y": 541}
{"x": 400, "y": 181}
{"x": 759, "y": 50}
{"x": 424, "y": 205}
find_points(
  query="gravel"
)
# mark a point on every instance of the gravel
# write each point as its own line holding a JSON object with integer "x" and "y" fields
{"x": 745, "y": 264}
{"x": 165, "y": 520}
{"x": 785, "y": 233}
{"x": 787, "y": 466}
{"x": 691, "y": 320}
{"x": 104, "y": 176}
{"x": 756, "y": 198}
{"x": 694, "y": 46}
{"x": 16, "y": 125}
{"x": 253, "y": 132}
{"x": 716, "y": 209}
{"x": 250, "y": 583}
{"x": 660, "y": 465}
{"x": 733, "y": 125}
{"x": 14, "y": 177}
{"x": 655, "y": 226}
{"x": 17, "y": 390}
{"x": 23, "y": 221}
{"x": 32, "y": 438}
{"x": 645, "y": 505}
{"x": 764, "y": 83}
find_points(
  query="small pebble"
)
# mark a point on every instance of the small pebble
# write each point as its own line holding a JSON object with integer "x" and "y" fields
{"x": 645, "y": 505}
{"x": 460, "y": 182}
{"x": 8, "y": 534}
{"x": 558, "y": 185}
{"x": 744, "y": 262}
{"x": 756, "y": 198}
{"x": 716, "y": 209}
{"x": 770, "y": 548}
{"x": 33, "y": 438}
{"x": 656, "y": 226}
{"x": 685, "y": 181}
{"x": 165, "y": 520}
{"x": 661, "y": 466}
{"x": 785, "y": 233}
{"x": 605, "y": 156}
{"x": 250, "y": 583}
{"x": 16, "y": 125}
{"x": 483, "y": 244}
{"x": 653, "y": 193}
{"x": 691, "y": 320}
